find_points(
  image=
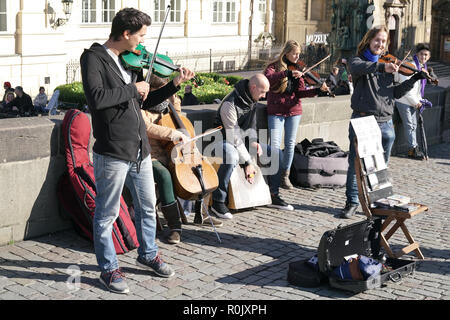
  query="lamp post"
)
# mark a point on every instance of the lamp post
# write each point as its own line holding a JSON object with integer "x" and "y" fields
{"x": 67, "y": 9}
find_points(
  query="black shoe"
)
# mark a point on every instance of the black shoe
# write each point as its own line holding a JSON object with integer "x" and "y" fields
{"x": 221, "y": 210}
{"x": 279, "y": 203}
{"x": 415, "y": 153}
{"x": 349, "y": 210}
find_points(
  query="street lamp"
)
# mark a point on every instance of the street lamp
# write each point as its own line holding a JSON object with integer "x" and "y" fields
{"x": 67, "y": 9}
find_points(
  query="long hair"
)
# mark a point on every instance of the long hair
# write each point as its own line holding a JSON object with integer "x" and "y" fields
{"x": 372, "y": 33}
{"x": 280, "y": 65}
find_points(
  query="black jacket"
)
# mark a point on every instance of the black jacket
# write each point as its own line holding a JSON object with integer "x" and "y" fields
{"x": 245, "y": 108}
{"x": 118, "y": 127}
{"x": 374, "y": 89}
{"x": 24, "y": 104}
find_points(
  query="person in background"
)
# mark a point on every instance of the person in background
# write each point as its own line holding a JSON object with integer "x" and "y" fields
{"x": 410, "y": 103}
{"x": 374, "y": 95}
{"x": 189, "y": 98}
{"x": 40, "y": 101}
{"x": 22, "y": 103}
{"x": 7, "y": 87}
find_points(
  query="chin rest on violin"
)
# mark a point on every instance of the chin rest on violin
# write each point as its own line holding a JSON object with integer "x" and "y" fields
{"x": 140, "y": 59}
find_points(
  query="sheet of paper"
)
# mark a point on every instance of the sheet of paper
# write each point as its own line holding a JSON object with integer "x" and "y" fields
{"x": 369, "y": 136}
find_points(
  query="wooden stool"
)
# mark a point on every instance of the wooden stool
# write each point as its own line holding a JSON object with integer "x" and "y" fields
{"x": 368, "y": 195}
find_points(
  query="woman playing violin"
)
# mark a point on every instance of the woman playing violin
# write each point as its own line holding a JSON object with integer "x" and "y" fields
{"x": 284, "y": 107}
{"x": 408, "y": 105}
{"x": 374, "y": 94}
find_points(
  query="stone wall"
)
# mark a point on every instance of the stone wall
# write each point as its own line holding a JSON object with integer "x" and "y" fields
{"x": 32, "y": 156}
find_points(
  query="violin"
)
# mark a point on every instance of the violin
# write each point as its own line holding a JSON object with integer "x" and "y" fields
{"x": 193, "y": 175}
{"x": 312, "y": 78}
{"x": 140, "y": 59}
{"x": 405, "y": 68}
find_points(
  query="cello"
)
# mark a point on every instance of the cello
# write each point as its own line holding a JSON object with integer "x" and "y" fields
{"x": 192, "y": 174}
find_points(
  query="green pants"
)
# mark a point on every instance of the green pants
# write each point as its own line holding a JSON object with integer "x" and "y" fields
{"x": 164, "y": 183}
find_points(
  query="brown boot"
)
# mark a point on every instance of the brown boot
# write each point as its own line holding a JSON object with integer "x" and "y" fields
{"x": 172, "y": 214}
{"x": 174, "y": 237}
{"x": 285, "y": 182}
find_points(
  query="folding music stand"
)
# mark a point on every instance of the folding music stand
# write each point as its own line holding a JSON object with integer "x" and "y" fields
{"x": 374, "y": 187}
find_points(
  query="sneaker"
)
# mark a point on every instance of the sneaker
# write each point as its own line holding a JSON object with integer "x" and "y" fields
{"x": 279, "y": 203}
{"x": 114, "y": 281}
{"x": 415, "y": 153}
{"x": 349, "y": 210}
{"x": 174, "y": 237}
{"x": 206, "y": 221}
{"x": 156, "y": 265}
{"x": 221, "y": 210}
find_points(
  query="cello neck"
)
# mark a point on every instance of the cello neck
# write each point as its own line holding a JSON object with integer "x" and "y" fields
{"x": 176, "y": 117}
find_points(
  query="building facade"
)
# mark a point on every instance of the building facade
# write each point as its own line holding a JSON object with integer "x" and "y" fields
{"x": 440, "y": 34}
{"x": 40, "y": 45}
{"x": 409, "y": 21}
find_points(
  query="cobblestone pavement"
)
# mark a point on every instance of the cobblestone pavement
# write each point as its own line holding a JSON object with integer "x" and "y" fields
{"x": 252, "y": 260}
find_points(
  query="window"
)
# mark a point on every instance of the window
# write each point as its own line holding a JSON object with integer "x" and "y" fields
{"x": 217, "y": 11}
{"x": 224, "y": 11}
{"x": 88, "y": 11}
{"x": 160, "y": 10}
{"x": 262, "y": 10}
{"x": 421, "y": 9}
{"x": 218, "y": 66}
{"x": 108, "y": 10}
{"x": 3, "y": 21}
{"x": 316, "y": 10}
{"x": 93, "y": 11}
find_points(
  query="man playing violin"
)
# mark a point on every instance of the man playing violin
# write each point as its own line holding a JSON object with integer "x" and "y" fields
{"x": 410, "y": 103}
{"x": 374, "y": 94}
{"x": 121, "y": 152}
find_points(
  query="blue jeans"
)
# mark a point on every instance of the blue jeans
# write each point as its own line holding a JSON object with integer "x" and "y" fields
{"x": 231, "y": 159}
{"x": 387, "y": 140}
{"x": 290, "y": 125}
{"x": 110, "y": 176}
{"x": 409, "y": 123}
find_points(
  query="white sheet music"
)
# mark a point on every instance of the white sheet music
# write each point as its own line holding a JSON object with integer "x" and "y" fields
{"x": 369, "y": 137}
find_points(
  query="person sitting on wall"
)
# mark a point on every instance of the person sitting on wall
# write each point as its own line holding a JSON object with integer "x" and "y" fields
{"x": 40, "y": 102}
{"x": 22, "y": 104}
{"x": 7, "y": 87}
{"x": 189, "y": 98}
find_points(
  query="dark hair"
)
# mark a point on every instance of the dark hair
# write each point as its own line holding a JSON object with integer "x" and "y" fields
{"x": 128, "y": 19}
{"x": 422, "y": 46}
{"x": 41, "y": 88}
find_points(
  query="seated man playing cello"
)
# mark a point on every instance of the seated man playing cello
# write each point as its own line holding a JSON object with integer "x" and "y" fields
{"x": 158, "y": 135}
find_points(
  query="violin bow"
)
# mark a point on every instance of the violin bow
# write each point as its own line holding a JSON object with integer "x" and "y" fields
{"x": 407, "y": 55}
{"x": 150, "y": 69}
{"x": 315, "y": 65}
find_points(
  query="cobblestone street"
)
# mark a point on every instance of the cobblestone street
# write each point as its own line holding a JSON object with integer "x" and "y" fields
{"x": 252, "y": 261}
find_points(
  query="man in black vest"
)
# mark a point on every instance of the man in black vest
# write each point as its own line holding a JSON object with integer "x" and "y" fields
{"x": 237, "y": 116}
